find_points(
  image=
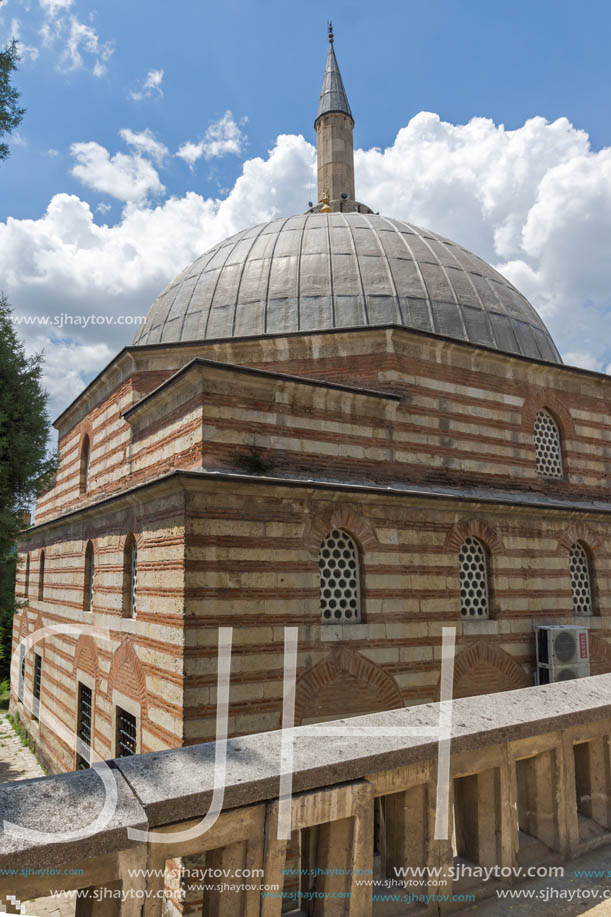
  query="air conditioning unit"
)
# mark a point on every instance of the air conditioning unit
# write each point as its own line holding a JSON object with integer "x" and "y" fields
{"x": 563, "y": 653}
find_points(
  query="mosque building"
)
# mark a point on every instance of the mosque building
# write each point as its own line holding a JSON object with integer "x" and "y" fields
{"x": 335, "y": 421}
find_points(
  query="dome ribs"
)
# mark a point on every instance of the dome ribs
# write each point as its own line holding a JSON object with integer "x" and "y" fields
{"x": 324, "y": 271}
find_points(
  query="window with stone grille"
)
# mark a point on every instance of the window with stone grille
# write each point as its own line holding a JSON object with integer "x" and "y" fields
{"x": 26, "y": 588}
{"x": 581, "y": 580}
{"x": 340, "y": 588}
{"x": 547, "y": 446}
{"x": 21, "y": 672}
{"x": 37, "y": 685}
{"x": 41, "y": 576}
{"x": 84, "y": 724}
{"x": 126, "y": 733}
{"x": 84, "y": 469}
{"x": 130, "y": 576}
{"x": 89, "y": 577}
{"x": 474, "y": 591}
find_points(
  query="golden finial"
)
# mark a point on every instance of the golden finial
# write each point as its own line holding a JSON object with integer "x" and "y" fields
{"x": 330, "y": 32}
{"x": 325, "y": 203}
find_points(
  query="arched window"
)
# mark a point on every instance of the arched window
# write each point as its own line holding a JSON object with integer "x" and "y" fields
{"x": 41, "y": 577}
{"x": 581, "y": 579}
{"x": 340, "y": 588}
{"x": 474, "y": 592}
{"x": 26, "y": 585}
{"x": 89, "y": 577}
{"x": 84, "y": 468}
{"x": 547, "y": 446}
{"x": 130, "y": 577}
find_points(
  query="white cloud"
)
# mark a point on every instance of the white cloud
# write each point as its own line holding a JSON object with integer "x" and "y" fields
{"x": 584, "y": 360}
{"x": 53, "y": 153}
{"x": 84, "y": 39}
{"x": 53, "y": 7}
{"x": 145, "y": 143}
{"x": 103, "y": 207}
{"x": 125, "y": 176}
{"x": 66, "y": 363}
{"x": 79, "y": 43}
{"x": 151, "y": 86}
{"x": 222, "y": 137}
{"x": 535, "y": 201}
{"x": 25, "y": 51}
{"x": 18, "y": 139}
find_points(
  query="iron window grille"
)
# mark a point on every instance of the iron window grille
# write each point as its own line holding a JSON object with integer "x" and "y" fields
{"x": 41, "y": 577}
{"x": 473, "y": 561}
{"x": 89, "y": 577}
{"x": 581, "y": 580}
{"x": 84, "y": 724}
{"x": 85, "y": 454}
{"x": 21, "y": 687}
{"x": 340, "y": 590}
{"x": 37, "y": 685}
{"x": 547, "y": 446}
{"x": 126, "y": 733}
{"x": 130, "y": 581}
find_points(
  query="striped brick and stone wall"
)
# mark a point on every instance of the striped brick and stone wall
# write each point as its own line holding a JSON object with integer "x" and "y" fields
{"x": 139, "y": 665}
{"x": 230, "y": 475}
{"x": 465, "y": 417}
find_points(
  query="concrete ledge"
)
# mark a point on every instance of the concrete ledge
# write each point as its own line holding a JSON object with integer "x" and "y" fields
{"x": 177, "y": 784}
{"x": 161, "y": 788}
{"x": 63, "y": 803}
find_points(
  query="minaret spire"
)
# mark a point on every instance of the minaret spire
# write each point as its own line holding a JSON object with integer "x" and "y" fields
{"x": 334, "y": 128}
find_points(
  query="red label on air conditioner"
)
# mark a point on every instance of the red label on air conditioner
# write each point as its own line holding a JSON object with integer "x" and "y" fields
{"x": 583, "y": 645}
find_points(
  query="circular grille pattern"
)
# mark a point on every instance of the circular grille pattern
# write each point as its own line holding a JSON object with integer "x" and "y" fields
{"x": 580, "y": 580}
{"x": 547, "y": 445}
{"x": 473, "y": 579}
{"x": 340, "y": 599}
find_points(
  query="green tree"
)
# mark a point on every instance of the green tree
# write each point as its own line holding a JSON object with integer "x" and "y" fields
{"x": 25, "y": 468}
{"x": 10, "y": 112}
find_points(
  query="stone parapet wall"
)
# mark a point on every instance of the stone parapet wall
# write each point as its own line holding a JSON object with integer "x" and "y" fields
{"x": 528, "y": 786}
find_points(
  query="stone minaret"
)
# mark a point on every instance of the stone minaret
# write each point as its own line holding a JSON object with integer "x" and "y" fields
{"x": 334, "y": 128}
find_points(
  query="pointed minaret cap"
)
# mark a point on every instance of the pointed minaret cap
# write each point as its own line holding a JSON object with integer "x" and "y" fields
{"x": 332, "y": 95}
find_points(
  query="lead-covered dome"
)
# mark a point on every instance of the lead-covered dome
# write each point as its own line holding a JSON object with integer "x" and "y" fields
{"x": 324, "y": 271}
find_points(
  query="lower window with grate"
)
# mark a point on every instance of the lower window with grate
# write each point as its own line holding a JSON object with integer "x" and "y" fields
{"x": 84, "y": 723}
{"x": 581, "y": 584}
{"x": 37, "y": 685}
{"x": 126, "y": 733}
{"x": 21, "y": 672}
{"x": 473, "y": 579}
{"x": 340, "y": 598}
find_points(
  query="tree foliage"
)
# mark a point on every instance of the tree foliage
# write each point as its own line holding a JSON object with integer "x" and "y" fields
{"x": 25, "y": 468}
{"x": 10, "y": 112}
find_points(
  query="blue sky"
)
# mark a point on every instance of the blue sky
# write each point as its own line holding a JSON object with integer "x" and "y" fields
{"x": 264, "y": 61}
{"x": 93, "y": 220}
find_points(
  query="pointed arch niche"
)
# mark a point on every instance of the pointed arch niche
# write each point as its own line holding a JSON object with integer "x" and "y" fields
{"x": 344, "y": 684}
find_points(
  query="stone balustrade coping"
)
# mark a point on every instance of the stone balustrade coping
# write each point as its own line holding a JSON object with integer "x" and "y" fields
{"x": 161, "y": 788}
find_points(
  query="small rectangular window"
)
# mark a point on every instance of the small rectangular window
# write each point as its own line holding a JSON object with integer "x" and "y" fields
{"x": 21, "y": 672}
{"x": 84, "y": 722}
{"x": 126, "y": 733}
{"x": 37, "y": 682}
